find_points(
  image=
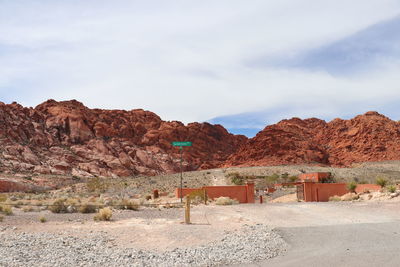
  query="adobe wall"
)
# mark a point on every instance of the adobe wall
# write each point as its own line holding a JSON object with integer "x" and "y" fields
{"x": 321, "y": 192}
{"x": 361, "y": 188}
{"x": 242, "y": 193}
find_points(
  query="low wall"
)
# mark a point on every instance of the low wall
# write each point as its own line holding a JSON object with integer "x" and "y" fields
{"x": 321, "y": 192}
{"x": 242, "y": 193}
{"x": 361, "y": 188}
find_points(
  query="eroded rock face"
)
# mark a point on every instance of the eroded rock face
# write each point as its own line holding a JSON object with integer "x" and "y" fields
{"x": 368, "y": 137}
{"x": 69, "y": 138}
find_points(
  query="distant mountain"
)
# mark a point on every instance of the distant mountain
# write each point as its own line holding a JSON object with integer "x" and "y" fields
{"x": 368, "y": 137}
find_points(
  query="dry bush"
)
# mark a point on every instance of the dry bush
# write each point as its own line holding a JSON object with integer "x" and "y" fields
{"x": 97, "y": 185}
{"x": 349, "y": 197}
{"x": 28, "y": 209}
{"x": 1, "y": 218}
{"x": 335, "y": 198}
{"x": 104, "y": 214}
{"x": 87, "y": 208}
{"x": 225, "y": 201}
{"x": 42, "y": 219}
{"x": 126, "y": 204}
{"x": 7, "y": 210}
{"x": 198, "y": 196}
{"x": 3, "y": 198}
{"x": 59, "y": 206}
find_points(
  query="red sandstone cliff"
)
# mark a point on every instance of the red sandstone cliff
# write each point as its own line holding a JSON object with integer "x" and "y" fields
{"x": 69, "y": 138}
{"x": 368, "y": 137}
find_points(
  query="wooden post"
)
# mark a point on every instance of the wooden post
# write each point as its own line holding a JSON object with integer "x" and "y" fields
{"x": 187, "y": 210}
{"x": 205, "y": 196}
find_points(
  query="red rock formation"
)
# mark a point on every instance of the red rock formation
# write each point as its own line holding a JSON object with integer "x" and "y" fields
{"x": 368, "y": 137}
{"x": 69, "y": 138}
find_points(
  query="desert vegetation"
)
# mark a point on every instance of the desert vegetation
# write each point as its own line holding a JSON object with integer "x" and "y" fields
{"x": 223, "y": 201}
{"x": 104, "y": 214}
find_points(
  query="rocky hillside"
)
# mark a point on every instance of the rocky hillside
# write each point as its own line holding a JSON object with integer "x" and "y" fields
{"x": 69, "y": 138}
{"x": 368, "y": 137}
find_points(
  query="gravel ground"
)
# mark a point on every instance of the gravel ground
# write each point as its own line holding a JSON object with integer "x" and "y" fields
{"x": 249, "y": 244}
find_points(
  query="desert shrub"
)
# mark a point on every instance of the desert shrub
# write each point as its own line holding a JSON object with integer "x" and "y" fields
{"x": 272, "y": 178}
{"x": 225, "y": 201}
{"x": 351, "y": 186}
{"x": 18, "y": 204}
{"x": 381, "y": 181}
{"x": 148, "y": 197}
{"x": 391, "y": 188}
{"x": 126, "y": 204}
{"x": 362, "y": 182}
{"x": 349, "y": 197}
{"x": 42, "y": 219}
{"x": 3, "y": 198}
{"x": 7, "y": 210}
{"x": 293, "y": 179}
{"x": 1, "y": 218}
{"x": 335, "y": 198}
{"x": 28, "y": 209}
{"x": 198, "y": 196}
{"x": 59, "y": 206}
{"x": 87, "y": 208}
{"x": 104, "y": 214}
{"x": 97, "y": 185}
{"x": 285, "y": 177}
{"x": 236, "y": 178}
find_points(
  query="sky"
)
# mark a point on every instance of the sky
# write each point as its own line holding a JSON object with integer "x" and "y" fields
{"x": 242, "y": 64}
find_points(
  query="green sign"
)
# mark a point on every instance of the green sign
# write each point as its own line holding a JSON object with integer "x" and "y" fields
{"x": 182, "y": 143}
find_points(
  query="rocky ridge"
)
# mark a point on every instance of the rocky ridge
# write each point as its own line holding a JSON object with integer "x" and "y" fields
{"x": 370, "y": 137}
{"x": 69, "y": 138}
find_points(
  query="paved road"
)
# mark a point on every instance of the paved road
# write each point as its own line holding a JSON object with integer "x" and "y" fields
{"x": 375, "y": 244}
{"x": 334, "y": 234}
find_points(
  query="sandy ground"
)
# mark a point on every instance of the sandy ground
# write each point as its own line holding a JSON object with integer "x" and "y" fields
{"x": 330, "y": 234}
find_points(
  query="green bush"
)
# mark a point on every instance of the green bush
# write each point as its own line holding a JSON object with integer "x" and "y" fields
{"x": 236, "y": 178}
{"x": 352, "y": 186}
{"x": 381, "y": 181}
{"x": 391, "y": 188}
{"x": 272, "y": 178}
{"x": 42, "y": 219}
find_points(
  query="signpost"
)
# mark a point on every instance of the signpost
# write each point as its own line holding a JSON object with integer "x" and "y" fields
{"x": 181, "y": 145}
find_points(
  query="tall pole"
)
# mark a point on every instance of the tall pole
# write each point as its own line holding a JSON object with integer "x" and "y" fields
{"x": 181, "y": 149}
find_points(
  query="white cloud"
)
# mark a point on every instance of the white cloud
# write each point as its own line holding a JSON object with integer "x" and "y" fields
{"x": 184, "y": 60}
